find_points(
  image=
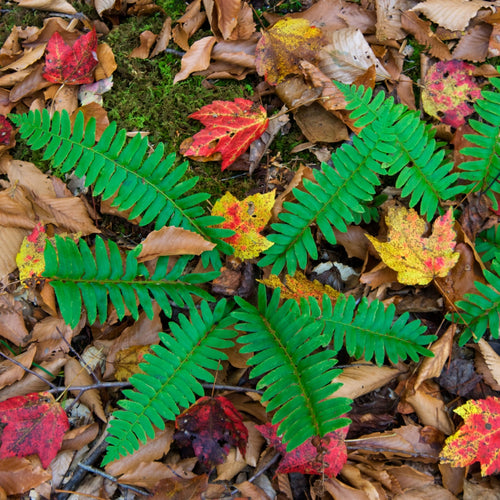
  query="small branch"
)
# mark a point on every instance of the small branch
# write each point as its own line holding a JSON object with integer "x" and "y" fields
{"x": 28, "y": 370}
{"x": 234, "y": 388}
{"x": 83, "y": 388}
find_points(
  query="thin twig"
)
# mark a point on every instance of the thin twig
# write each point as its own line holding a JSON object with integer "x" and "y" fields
{"x": 235, "y": 388}
{"x": 271, "y": 462}
{"x": 50, "y": 384}
{"x": 83, "y": 388}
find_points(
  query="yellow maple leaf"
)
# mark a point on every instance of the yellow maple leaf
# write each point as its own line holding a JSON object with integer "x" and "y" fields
{"x": 247, "y": 219}
{"x": 30, "y": 260}
{"x": 298, "y": 286}
{"x": 418, "y": 260}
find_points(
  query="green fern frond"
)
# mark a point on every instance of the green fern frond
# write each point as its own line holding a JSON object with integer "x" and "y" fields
{"x": 488, "y": 243}
{"x": 339, "y": 195}
{"x": 422, "y": 174}
{"x": 170, "y": 378}
{"x": 297, "y": 380}
{"x": 148, "y": 184}
{"x": 485, "y": 171}
{"x": 480, "y": 312}
{"x": 370, "y": 330}
{"x": 79, "y": 278}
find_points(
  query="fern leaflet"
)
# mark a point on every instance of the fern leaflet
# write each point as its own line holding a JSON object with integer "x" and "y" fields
{"x": 488, "y": 243}
{"x": 297, "y": 379}
{"x": 149, "y": 185}
{"x": 78, "y": 280}
{"x": 480, "y": 312}
{"x": 170, "y": 377}
{"x": 485, "y": 171}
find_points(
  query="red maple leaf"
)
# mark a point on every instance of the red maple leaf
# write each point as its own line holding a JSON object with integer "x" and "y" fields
{"x": 5, "y": 131}
{"x": 72, "y": 65}
{"x": 30, "y": 424}
{"x": 326, "y": 456}
{"x": 230, "y": 129}
{"x": 478, "y": 440}
{"x": 211, "y": 426}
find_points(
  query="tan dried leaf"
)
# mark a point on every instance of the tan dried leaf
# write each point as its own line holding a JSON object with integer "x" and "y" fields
{"x": 19, "y": 475}
{"x": 389, "y": 18}
{"x": 147, "y": 39}
{"x": 61, "y": 6}
{"x": 237, "y": 52}
{"x": 163, "y": 38}
{"x": 11, "y": 239}
{"x": 349, "y": 56}
{"x": 491, "y": 358}
{"x": 107, "y": 62}
{"x": 53, "y": 337}
{"x": 197, "y": 58}
{"x": 76, "y": 439}
{"x": 29, "y": 57}
{"x": 224, "y": 16}
{"x": 12, "y": 325}
{"x": 473, "y": 46}
{"x": 188, "y": 24}
{"x": 10, "y": 372}
{"x": 103, "y": 5}
{"x": 453, "y": 15}
{"x": 76, "y": 375}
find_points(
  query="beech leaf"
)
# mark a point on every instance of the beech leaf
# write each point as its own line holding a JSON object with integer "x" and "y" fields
{"x": 71, "y": 65}
{"x": 34, "y": 423}
{"x": 211, "y": 426}
{"x": 247, "y": 219}
{"x": 418, "y": 260}
{"x": 230, "y": 129}
{"x": 448, "y": 90}
{"x": 307, "y": 458}
{"x": 281, "y": 48}
{"x": 478, "y": 440}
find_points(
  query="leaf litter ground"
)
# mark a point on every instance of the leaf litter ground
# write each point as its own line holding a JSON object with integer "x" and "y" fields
{"x": 402, "y": 413}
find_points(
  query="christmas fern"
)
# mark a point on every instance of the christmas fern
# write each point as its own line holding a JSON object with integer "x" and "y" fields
{"x": 479, "y": 312}
{"x": 484, "y": 172}
{"x": 79, "y": 278}
{"x": 297, "y": 378}
{"x": 149, "y": 184}
{"x": 393, "y": 141}
{"x": 170, "y": 378}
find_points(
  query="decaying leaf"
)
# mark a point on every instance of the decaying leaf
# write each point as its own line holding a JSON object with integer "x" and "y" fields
{"x": 211, "y": 426}
{"x": 448, "y": 90}
{"x": 283, "y": 46}
{"x": 247, "y": 219}
{"x": 298, "y": 286}
{"x": 34, "y": 423}
{"x": 307, "y": 458}
{"x": 71, "y": 65}
{"x": 230, "y": 129}
{"x": 418, "y": 260}
{"x": 478, "y": 440}
{"x": 127, "y": 361}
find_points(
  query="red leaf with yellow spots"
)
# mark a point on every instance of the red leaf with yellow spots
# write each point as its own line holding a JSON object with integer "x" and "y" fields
{"x": 30, "y": 424}
{"x": 326, "y": 455}
{"x": 449, "y": 90}
{"x": 418, "y": 260}
{"x": 30, "y": 260}
{"x": 478, "y": 440}
{"x": 284, "y": 46}
{"x": 247, "y": 219}
{"x": 230, "y": 128}
{"x": 71, "y": 65}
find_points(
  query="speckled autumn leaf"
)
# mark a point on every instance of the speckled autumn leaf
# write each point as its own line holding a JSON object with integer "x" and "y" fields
{"x": 305, "y": 459}
{"x": 30, "y": 260}
{"x": 71, "y": 65}
{"x": 30, "y": 424}
{"x": 298, "y": 286}
{"x": 281, "y": 48}
{"x": 5, "y": 131}
{"x": 448, "y": 90}
{"x": 211, "y": 426}
{"x": 230, "y": 128}
{"x": 247, "y": 219}
{"x": 127, "y": 361}
{"x": 478, "y": 440}
{"x": 418, "y": 260}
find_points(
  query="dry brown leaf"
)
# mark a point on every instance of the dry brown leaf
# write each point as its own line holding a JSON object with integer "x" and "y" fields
{"x": 425, "y": 493}
{"x": 147, "y": 39}
{"x": 16, "y": 211}
{"x": 11, "y": 239}
{"x": 76, "y": 439}
{"x": 96, "y": 111}
{"x": 354, "y": 241}
{"x": 389, "y": 18}
{"x": 33, "y": 82}
{"x": 237, "y": 52}
{"x": 19, "y": 475}
{"x": 422, "y": 32}
{"x": 76, "y": 375}
{"x": 222, "y": 16}
{"x": 491, "y": 358}
{"x": 188, "y": 24}
{"x": 221, "y": 69}
{"x": 61, "y": 6}
{"x": 353, "y": 475}
{"x": 171, "y": 240}
{"x": 32, "y": 383}
{"x": 197, "y": 58}
{"x": 379, "y": 275}
{"x": 12, "y": 325}
{"x": 29, "y": 57}
{"x": 348, "y": 56}
{"x": 163, "y": 38}
{"x": 148, "y": 474}
{"x": 473, "y": 46}
{"x": 10, "y": 372}
{"x": 103, "y": 5}
{"x": 453, "y": 477}
{"x": 53, "y": 337}
{"x": 360, "y": 380}
{"x": 341, "y": 491}
{"x": 432, "y": 367}
{"x": 453, "y": 15}
{"x": 107, "y": 63}
{"x": 252, "y": 491}
{"x": 494, "y": 44}
{"x": 324, "y": 14}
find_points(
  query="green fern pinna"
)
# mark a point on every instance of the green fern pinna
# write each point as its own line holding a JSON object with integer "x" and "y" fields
{"x": 294, "y": 346}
